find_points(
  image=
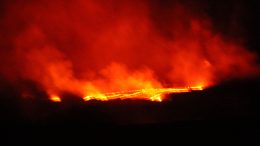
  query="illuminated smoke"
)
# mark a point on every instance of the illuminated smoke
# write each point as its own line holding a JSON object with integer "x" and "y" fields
{"x": 89, "y": 47}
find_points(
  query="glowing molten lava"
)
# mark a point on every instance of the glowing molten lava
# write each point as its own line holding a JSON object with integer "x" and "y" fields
{"x": 55, "y": 98}
{"x": 147, "y": 94}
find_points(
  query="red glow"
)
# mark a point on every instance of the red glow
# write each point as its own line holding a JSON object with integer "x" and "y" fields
{"x": 93, "y": 47}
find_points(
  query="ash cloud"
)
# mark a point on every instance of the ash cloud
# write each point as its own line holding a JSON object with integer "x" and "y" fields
{"x": 92, "y": 46}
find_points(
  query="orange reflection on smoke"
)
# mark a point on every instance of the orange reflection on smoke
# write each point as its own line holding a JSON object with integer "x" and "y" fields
{"x": 93, "y": 48}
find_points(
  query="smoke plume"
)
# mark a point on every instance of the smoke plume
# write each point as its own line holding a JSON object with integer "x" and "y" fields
{"x": 86, "y": 47}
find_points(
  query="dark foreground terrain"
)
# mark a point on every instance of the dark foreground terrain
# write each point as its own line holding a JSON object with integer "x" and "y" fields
{"x": 229, "y": 111}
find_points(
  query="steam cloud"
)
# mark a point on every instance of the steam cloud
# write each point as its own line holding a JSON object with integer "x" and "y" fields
{"x": 90, "y": 46}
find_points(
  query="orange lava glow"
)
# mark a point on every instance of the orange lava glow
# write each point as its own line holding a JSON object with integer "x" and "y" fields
{"x": 116, "y": 49}
{"x": 152, "y": 94}
{"x": 55, "y": 98}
